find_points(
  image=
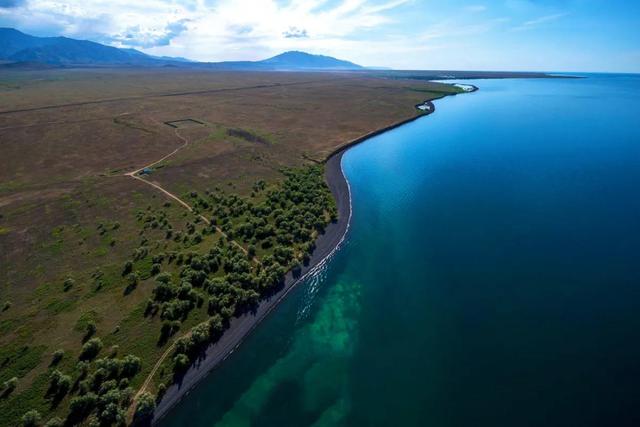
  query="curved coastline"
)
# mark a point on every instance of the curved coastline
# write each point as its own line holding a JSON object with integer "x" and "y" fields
{"x": 326, "y": 245}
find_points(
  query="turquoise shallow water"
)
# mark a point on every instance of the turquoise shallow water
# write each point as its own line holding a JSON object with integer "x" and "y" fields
{"x": 491, "y": 276}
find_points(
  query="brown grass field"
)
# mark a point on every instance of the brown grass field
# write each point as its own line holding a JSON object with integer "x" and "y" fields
{"x": 67, "y": 137}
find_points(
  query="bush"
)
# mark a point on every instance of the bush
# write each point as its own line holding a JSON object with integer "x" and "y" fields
{"x": 132, "y": 278}
{"x": 163, "y": 278}
{"x": 113, "y": 351}
{"x": 9, "y": 385}
{"x": 91, "y": 349}
{"x": 80, "y": 407}
{"x": 111, "y": 414}
{"x": 181, "y": 362}
{"x": 132, "y": 282}
{"x": 128, "y": 266}
{"x": 90, "y": 329}
{"x": 68, "y": 284}
{"x": 144, "y": 408}
{"x": 59, "y": 384}
{"x": 82, "y": 368}
{"x": 31, "y": 418}
{"x": 130, "y": 366}
{"x": 57, "y": 357}
{"x": 6, "y": 306}
{"x": 162, "y": 389}
{"x": 155, "y": 268}
{"x": 54, "y": 422}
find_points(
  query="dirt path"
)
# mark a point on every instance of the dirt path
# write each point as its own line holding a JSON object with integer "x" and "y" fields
{"x": 135, "y": 175}
{"x": 185, "y": 143}
{"x": 145, "y": 384}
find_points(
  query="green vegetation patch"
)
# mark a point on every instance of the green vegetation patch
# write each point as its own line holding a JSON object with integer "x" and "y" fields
{"x": 85, "y": 319}
{"x": 185, "y": 279}
{"x": 17, "y": 361}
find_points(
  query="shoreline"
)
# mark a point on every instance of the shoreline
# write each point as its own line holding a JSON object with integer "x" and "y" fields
{"x": 326, "y": 245}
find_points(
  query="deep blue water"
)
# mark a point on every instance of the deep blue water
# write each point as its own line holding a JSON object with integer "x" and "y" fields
{"x": 491, "y": 276}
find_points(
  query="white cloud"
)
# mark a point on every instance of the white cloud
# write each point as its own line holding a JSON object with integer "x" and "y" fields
{"x": 475, "y": 8}
{"x": 206, "y": 30}
{"x": 533, "y": 23}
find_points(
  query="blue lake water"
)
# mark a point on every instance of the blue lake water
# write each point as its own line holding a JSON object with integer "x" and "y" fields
{"x": 491, "y": 276}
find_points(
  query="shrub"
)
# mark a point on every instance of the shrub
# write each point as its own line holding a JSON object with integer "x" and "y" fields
{"x": 59, "y": 384}
{"x": 111, "y": 414}
{"x": 155, "y": 268}
{"x": 144, "y": 408}
{"x": 167, "y": 330}
{"x": 81, "y": 406}
{"x": 54, "y": 422}
{"x": 163, "y": 278}
{"x": 31, "y": 418}
{"x": 9, "y": 385}
{"x": 130, "y": 366}
{"x": 132, "y": 282}
{"x": 123, "y": 384}
{"x": 90, "y": 329}
{"x": 6, "y": 306}
{"x": 57, "y": 357}
{"x": 132, "y": 278}
{"x": 82, "y": 368}
{"x": 68, "y": 284}
{"x": 181, "y": 362}
{"x": 128, "y": 266}
{"x": 91, "y": 349}
{"x": 162, "y": 389}
{"x": 216, "y": 326}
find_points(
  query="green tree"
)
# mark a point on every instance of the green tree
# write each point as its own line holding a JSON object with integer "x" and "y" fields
{"x": 130, "y": 366}
{"x": 144, "y": 408}
{"x": 90, "y": 329}
{"x": 9, "y": 385}
{"x": 31, "y": 418}
{"x": 80, "y": 407}
{"x": 57, "y": 357}
{"x": 128, "y": 266}
{"x": 54, "y": 422}
{"x": 90, "y": 349}
{"x": 181, "y": 362}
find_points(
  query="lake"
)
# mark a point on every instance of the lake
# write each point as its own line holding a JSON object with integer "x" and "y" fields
{"x": 491, "y": 276}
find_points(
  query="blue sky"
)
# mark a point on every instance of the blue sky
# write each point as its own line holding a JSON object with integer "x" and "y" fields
{"x": 549, "y": 35}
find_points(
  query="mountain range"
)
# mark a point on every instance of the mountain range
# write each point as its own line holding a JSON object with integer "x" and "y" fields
{"x": 20, "y": 49}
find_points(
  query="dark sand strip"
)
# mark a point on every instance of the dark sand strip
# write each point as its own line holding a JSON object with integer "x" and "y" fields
{"x": 326, "y": 245}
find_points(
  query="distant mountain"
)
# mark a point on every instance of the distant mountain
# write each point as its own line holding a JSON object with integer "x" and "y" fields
{"x": 20, "y": 48}
{"x": 304, "y": 61}
{"x": 16, "y": 46}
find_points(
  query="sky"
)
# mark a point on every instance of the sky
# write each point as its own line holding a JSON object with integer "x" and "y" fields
{"x": 535, "y": 35}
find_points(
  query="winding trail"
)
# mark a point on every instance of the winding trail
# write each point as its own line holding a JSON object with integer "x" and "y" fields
{"x": 147, "y": 381}
{"x": 136, "y": 175}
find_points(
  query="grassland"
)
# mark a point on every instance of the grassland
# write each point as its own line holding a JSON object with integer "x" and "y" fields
{"x": 68, "y": 210}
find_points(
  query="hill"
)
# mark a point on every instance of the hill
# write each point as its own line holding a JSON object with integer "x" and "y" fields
{"x": 16, "y": 46}
{"x": 21, "y": 48}
{"x": 303, "y": 60}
